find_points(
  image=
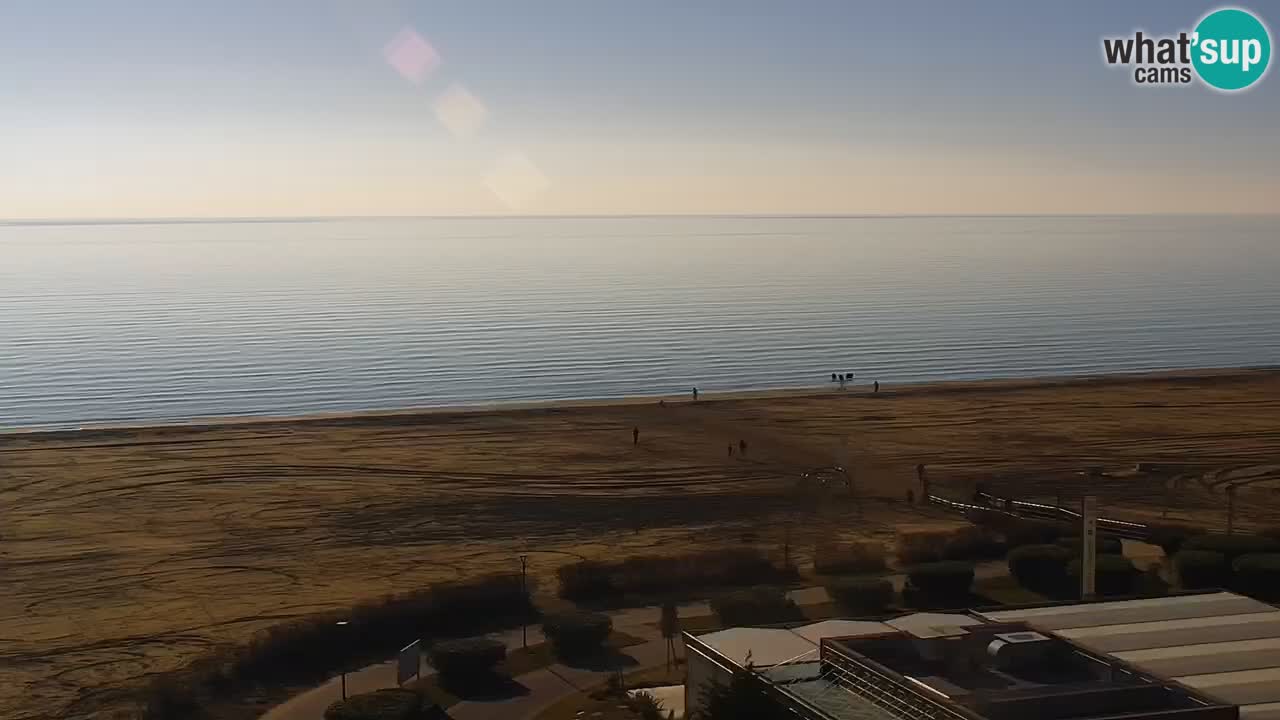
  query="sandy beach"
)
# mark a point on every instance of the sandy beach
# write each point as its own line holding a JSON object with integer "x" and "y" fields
{"x": 128, "y": 551}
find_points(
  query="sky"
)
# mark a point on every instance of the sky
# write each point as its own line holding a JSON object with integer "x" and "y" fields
{"x": 292, "y": 108}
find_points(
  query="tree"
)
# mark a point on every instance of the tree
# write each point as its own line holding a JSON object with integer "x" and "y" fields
{"x": 670, "y": 628}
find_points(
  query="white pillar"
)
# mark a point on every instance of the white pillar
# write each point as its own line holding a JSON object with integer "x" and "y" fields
{"x": 1088, "y": 545}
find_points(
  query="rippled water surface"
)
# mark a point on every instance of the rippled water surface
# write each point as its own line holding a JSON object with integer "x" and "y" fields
{"x": 132, "y": 322}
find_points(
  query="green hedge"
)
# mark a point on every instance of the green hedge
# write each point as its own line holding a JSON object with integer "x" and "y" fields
{"x": 867, "y": 596}
{"x": 940, "y": 584}
{"x": 576, "y": 633}
{"x": 1114, "y": 575}
{"x": 389, "y": 704}
{"x": 756, "y": 606}
{"x": 1171, "y": 536}
{"x": 466, "y": 659}
{"x": 596, "y": 580}
{"x": 312, "y": 647}
{"x": 1233, "y": 546}
{"x": 1019, "y": 532}
{"x": 1202, "y": 569}
{"x": 1040, "y": 568}
{"x": 1107, "y": 545}
{"x": 1258, "y": 576}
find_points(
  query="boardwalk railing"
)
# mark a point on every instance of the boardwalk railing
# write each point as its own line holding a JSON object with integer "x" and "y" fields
{"x": 986, "y": 502}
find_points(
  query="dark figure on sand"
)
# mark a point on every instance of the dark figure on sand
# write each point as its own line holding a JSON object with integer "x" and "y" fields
{"x": 876, "y": 386}
{"x": 635, "y": 436}
{"x": 742, "y": 447}
{"x": 730, "y": 449}
{"x": 695, "y": 394}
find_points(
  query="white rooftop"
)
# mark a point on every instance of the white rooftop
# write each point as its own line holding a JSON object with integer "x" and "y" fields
{"x": 841, "y": 628}
{"x": 766, "y": 646}
{"x": 1222, "y": 644}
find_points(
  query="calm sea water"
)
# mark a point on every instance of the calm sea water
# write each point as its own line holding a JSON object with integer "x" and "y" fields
{"x": 122, "y": 323}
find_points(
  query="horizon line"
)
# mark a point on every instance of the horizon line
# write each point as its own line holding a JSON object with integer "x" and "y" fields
{"x": 195, "y": 220}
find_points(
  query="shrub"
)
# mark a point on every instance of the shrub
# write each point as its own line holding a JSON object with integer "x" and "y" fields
{"x": 1233, "y": 546}
{"x": 1021, "y": 532}
{"x": 1113, "y": 575}
{"x": 594, "y": 580}
{"x": 461, "y": 660}
{"x": 921, "y": 545}
{"x": 1258, "y": 575}
{"x": 168, "y": 698}
{"x": 494, "y": 595}
{"x": 312, "y": 647}
{"x": 1041, "y": 568}
{"x": 971, "y": 542}
{"x": 852, "y": 557}
{"x": 869, "y": 596}
{"x": 645, "y": 706}
{"x": 1106, "y": 545}
{"x": 577, "y": 633}
{"x": 940, "y": 584}
{"x": 756, "y": 606}
{"x": 930, "y": 544}
{"x": 1200, "y": 569}
{"x": 586, "y": 580}
{"x": 1170, "y": 537}
{"x": 389, "y": 704}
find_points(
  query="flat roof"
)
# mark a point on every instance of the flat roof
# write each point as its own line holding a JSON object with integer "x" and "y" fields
{"x": 765, "y": 646}
{"x": 840, "y": 628}
{"x": 1224, "y": 645}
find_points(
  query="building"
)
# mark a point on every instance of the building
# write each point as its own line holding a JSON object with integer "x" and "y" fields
{"x": 1211, "y": 656}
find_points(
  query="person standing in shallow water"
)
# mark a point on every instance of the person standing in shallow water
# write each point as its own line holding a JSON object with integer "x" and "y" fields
{"x": 635, "y": 436}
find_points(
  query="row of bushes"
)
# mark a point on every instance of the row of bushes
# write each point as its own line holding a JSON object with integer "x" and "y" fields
{"x": 934, "y": 544}
{"x": 311, "y": 648}
{"x": 317, "y": 645}
{"x": 938, "y": 585}
{"x": 1244, "y": 563}
{"x": 593, "y": 580}
{"x": 860, "y": 556}
{"x": 1054, "y": 570}
{"x": 572, "y": 634}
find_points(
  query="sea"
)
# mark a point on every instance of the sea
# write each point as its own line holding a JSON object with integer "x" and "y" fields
{"x": 143, "y": 322}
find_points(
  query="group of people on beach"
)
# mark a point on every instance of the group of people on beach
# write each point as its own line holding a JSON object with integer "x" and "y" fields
{"x": 847, "y": 378}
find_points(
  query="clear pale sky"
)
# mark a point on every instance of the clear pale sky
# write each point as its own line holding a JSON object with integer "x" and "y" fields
{"x": 216, "y": 108}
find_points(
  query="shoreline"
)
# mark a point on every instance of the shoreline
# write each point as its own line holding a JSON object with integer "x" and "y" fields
{"x": 533, "y": 407}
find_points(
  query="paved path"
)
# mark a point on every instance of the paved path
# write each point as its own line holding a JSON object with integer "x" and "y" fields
{"x": 549, "y": 684}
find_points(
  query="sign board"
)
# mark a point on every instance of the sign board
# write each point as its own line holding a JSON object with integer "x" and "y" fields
{"x": 1088, "y": 545}
{"x": 408, "y": 661}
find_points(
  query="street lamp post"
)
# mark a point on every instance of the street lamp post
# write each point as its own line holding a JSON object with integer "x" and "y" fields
{"x": 343, "y": 624}
{"x": 524, "y": 588}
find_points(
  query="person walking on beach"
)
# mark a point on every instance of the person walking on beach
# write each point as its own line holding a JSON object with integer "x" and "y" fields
{"x": 635, "y": 436}
{"x": 742, "y": 447}
{"x": 695, "y": 394}
{"x": 876, "y": 386}
{"x": 730, "y": 449}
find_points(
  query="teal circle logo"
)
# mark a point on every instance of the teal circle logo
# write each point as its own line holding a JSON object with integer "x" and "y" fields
{"x": 1232, "y": 49}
